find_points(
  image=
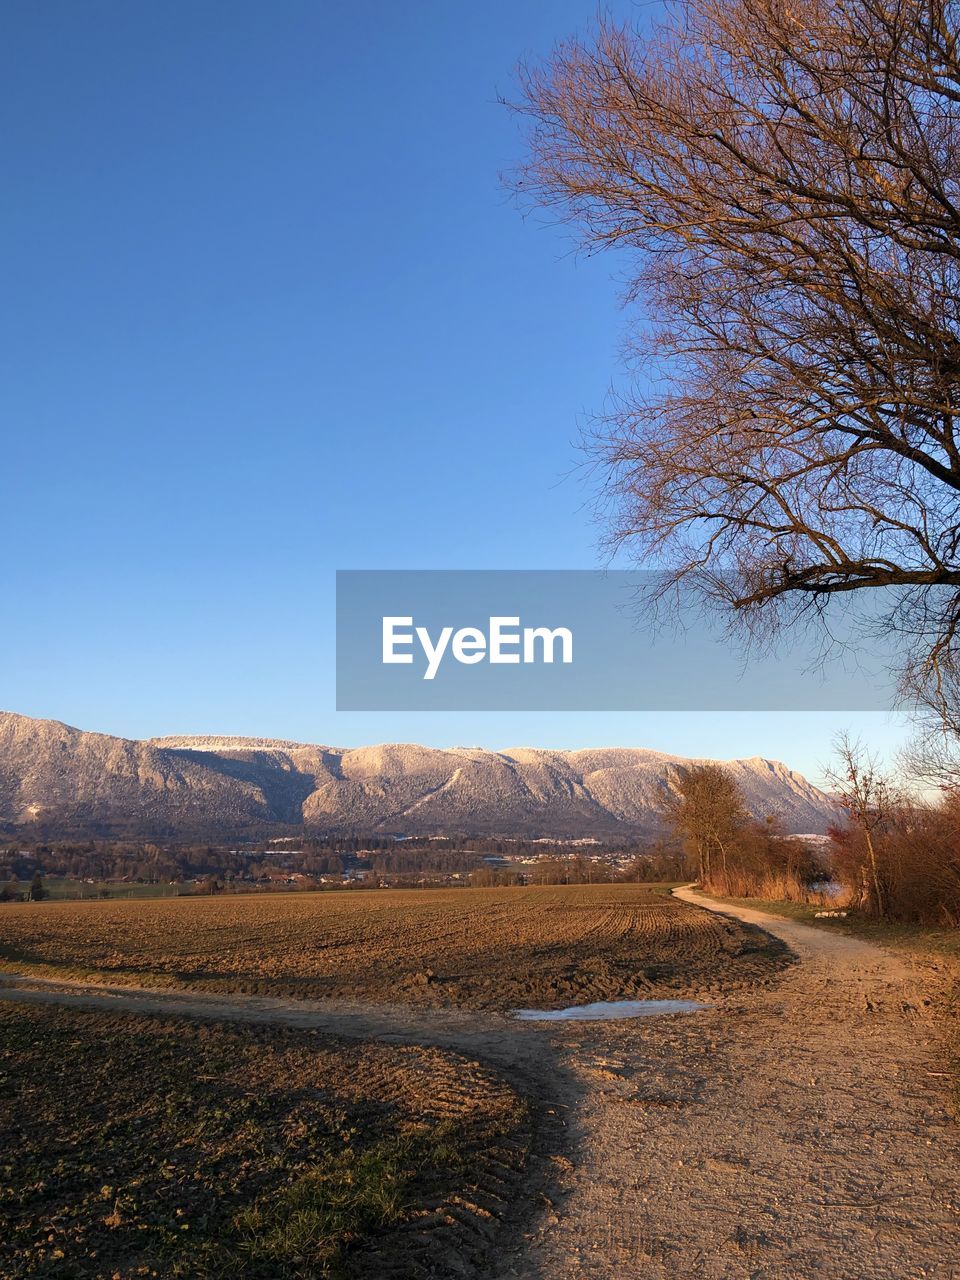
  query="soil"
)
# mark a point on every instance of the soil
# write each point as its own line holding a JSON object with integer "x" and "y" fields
{"x": 534, "y": 947}
{"x": 134, "y": 1145}
{"x": 800, "y": 1129}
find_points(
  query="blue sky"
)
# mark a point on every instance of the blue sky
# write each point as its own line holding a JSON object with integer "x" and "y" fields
{"x": 268, "y": 313}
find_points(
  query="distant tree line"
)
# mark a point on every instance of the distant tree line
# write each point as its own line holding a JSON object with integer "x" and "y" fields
{"x": 156, "y": 862}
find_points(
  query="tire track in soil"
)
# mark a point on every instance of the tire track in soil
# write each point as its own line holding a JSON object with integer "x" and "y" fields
{"x": 481, "y": 1235}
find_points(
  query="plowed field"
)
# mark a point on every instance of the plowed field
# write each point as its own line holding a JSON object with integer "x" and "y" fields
{"x": 490, "y": 948}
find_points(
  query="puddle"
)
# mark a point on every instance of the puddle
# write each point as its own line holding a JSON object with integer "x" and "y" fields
{"x": 609, "y": 1010}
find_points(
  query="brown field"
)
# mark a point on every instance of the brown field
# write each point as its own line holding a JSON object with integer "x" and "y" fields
{"x": 137, "y": 1146}
{"x": 483, "y": 948}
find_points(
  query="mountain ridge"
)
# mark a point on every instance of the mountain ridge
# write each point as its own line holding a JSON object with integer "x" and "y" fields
{"x": 57, "y": 777}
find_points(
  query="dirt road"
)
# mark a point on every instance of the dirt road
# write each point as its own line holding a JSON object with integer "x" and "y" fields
{"x": 797, "y": 1132}
{"x": 801, "y": 1133}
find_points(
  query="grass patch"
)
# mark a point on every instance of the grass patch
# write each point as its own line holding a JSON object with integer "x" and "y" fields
{"x": 63, "y": 889}
{"x": 353, "y": 1195}
{"x": 922, "y": 941}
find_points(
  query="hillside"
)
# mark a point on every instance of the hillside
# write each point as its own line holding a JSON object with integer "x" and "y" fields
{"x": 59, "y": 778}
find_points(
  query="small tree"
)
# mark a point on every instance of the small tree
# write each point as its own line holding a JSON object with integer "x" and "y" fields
{"x": 869, "y": 798}
{"x": 709, "y": 814}
{"x": 37, "y": 891}
{"x": 10, "y": 892}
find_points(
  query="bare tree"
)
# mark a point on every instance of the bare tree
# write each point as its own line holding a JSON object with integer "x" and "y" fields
{"x": 786, "y": 180}
{"x": 708, "y": 813}
{"x": 932, "y": 756}
{"x": 868, "y": 797}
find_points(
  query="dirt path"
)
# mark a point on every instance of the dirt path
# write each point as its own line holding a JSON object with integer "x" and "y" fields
{"x": 797, "y": 1132}
{"x": 800, "y": 1133}
{"x": 499, "y": 1040}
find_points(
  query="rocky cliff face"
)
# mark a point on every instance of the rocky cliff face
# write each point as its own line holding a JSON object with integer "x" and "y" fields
{"x": 64, "y": 779}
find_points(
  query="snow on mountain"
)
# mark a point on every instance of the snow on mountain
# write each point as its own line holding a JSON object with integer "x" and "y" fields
{"x": 64, "y": 778}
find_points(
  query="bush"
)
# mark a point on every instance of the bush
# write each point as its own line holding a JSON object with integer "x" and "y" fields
{"x": 918, "y": 857}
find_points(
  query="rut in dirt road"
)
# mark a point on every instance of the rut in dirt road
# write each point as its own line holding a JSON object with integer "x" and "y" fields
{"x": 802, "y": 1132}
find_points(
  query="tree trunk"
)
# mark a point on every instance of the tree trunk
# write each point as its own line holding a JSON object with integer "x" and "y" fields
{"x": 878, "y": 894}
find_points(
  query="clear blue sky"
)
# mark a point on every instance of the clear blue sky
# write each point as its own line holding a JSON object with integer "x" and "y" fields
{"x": 268, "y": 312}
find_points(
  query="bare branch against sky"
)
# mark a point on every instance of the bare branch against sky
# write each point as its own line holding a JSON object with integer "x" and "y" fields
{"x": 786, "y": 181}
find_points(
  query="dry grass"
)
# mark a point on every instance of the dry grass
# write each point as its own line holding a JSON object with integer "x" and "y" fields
{"x": 495, "y": 948}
